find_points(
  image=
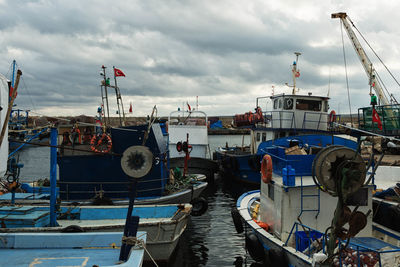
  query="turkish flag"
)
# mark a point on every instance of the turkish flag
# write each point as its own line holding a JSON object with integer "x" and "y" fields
{"x": 376, "y": 118}
{"x": 130, "y": 108}
{"x": 118, "y": 72}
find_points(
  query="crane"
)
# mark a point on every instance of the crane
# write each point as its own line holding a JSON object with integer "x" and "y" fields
{"x": 365, "y": 61}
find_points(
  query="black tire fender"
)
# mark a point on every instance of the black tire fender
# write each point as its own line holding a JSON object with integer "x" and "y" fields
{"x": 254, "y": 246}
{"x": 199, "y": 206}
{"x": 237, "y": 220}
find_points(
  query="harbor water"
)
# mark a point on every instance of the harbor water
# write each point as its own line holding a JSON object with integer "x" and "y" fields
{"x": 210, "y": 239}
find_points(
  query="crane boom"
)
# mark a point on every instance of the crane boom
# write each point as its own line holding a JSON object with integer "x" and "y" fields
{"x": 365, "y": 61}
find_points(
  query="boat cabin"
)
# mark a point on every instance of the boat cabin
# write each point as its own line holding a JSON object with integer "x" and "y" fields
{"x": 292, "y": 115}
{"x": 191, "y": 126}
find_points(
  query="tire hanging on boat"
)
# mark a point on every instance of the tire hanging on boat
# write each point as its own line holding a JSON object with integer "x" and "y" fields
{"x": 278, "y": 257}
{"x": 237, "y": 220}
{"x": 254, "y": 246}
{"x": 199, "y": 206}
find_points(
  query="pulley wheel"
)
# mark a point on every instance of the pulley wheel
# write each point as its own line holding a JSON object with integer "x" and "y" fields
{"x": 328, "y": 165}
{"x": 137, "y": 161}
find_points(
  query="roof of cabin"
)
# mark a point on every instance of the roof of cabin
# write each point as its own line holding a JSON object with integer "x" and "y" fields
{"x": 300, "y": 96}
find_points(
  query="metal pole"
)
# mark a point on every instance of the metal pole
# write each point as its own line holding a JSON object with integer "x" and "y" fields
{"x": 53, "y": 176}
{"x": 105, "y": 92}
{"x": 118, "y": 96}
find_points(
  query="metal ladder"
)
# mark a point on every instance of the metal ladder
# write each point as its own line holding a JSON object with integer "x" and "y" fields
{"x": 303, "y": 195}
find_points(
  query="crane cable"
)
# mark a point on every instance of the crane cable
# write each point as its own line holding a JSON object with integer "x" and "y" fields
{"x": 365, "y": 40}
{"x": 345, "y": 67}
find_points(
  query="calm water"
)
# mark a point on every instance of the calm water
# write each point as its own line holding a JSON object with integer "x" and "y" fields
{"x": 210, "y": 239}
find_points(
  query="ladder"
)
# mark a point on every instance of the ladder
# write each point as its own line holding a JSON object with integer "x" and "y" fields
{"x": 317, "y": 196}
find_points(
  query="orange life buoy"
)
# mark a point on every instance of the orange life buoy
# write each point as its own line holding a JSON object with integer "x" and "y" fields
{"x": 332, "y": 116}
{"x": 72, "y": 135}
{"x": 266, "y": 169}
{"x": 250, "y": 117}
{"x": 103, "y": 141}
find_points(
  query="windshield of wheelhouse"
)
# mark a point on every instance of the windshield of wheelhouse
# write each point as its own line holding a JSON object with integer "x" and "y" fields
{"x": 311, "y": 105}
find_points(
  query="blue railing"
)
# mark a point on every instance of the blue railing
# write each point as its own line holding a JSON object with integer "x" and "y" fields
{"x": 310, "y": 233}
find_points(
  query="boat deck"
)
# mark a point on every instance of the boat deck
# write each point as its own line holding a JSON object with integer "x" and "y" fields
{"x": 67, "y": 249}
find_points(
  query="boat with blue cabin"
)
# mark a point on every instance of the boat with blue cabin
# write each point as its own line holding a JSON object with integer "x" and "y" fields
{"x": 291, "y": 115}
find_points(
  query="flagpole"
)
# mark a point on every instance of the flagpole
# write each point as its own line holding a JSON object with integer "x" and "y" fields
{"x": 116, "y": 94}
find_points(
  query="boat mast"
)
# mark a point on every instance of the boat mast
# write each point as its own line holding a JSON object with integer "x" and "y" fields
{"x": 295, "y": 72}
{"x": 118, "y": 95}
{"x": 105, "y": 96}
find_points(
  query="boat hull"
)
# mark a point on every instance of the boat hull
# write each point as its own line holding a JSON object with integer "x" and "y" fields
{"x": 164, "y": 224}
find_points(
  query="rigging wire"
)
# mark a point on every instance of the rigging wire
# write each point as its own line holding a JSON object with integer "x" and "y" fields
{"x": 347, "y": 78}
{"x": 374, "y": 52}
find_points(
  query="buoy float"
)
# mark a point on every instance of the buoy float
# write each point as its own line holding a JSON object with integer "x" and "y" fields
{"x": 266, "y": 169}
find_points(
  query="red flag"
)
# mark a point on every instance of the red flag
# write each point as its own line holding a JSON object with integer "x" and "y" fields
{"x": 376, "y": 118}
{"x": 190, "y": 109}
{"x": 118, "y": 72}
{"x": 130, "y": 108}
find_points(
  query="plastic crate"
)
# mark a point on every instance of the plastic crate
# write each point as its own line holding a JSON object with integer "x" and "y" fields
{"x": 303, "y": 241}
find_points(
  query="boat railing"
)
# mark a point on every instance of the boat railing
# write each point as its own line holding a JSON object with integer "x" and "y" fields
{"x": 180, "y": 115}
{"x": 389, "y": 116}
{"x": 279, "y": 160}
{"x": 309, "y": 232}
{"x": 315, "y": 121}
{"x": 279, "y": 119}
{"x": 309, "y": 236}
{"x": 101, "y": 188}
{"x": 28, "y": 141}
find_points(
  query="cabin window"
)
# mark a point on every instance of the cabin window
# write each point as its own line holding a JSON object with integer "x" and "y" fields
{"x": 305, "y": 104}
{"x": 276, "y": 104}
{"x": 271, "y": 192}
{"x": 288, "y": 103}
{"x": 280, "y": 103}
{"x": 326, "y": 106}
{"x": 264, "y": 136}
{"x": 258, "y": 137}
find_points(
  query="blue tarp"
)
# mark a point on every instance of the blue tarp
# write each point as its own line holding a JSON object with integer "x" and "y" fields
{"x": 216, "y": 125}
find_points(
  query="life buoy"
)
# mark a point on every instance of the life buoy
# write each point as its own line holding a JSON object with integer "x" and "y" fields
{"x": 266, "y": 169}
{"x": 332, "y": 116}
{"x": 251, "y": 117}
{"x": 101, "y": 143}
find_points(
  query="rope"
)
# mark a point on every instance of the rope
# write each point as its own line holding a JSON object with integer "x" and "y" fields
{"x": 345, "y": 67}
{"x": 374, "y": 53}
{"x": 137, "y": 243}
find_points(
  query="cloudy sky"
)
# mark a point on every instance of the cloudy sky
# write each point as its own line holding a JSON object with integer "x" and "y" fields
{"x": 225, "y": 52}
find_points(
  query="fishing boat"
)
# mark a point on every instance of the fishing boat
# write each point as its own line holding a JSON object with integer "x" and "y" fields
{"x": 68, "y": 249}
{"x": 291, "y": 115}
{"x": 22, "y": 134}
{"x": 316, "y": 211}
{"x": 188, "y": 143}
{"x": 91, "y": 164}
{"x": 164, "y": 224}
